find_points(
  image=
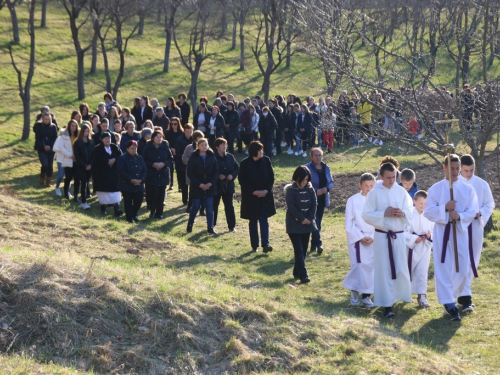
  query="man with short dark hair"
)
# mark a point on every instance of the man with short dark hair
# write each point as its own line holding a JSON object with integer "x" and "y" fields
{"x": 440, "y": 209}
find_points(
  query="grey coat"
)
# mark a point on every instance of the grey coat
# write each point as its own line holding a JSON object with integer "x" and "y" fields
{"x": 301, "y": 204}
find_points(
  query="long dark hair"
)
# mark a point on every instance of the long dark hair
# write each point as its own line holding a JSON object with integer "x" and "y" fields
{"x": 81, "y": 134}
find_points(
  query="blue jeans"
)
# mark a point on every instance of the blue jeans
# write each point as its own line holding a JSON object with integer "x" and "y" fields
{"x": 298, "y": 146}
{"x": 264, "y": 230}
{"x": 209, "y": 211}
{"x": 60, "y": 174}
{"x": 316, "y": 235}
{"x": 320, "y": 136}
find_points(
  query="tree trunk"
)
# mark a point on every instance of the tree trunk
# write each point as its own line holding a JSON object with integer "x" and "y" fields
{"x": 142, "y": 16}
{"x": 26, "y": 117}
{"x": 223, "y": 22}
{"x": 242, "y": 48}
{"x": 43, "y": 22}
{"x": 80, "y": 56}
{"x": 235, "y": 27}
{"x": 15, "y": 22}
{"x": 193, "y": 89}
{"x": 266, "y": 85}
{"x": 288, "y": 54}
{"x": 121, "y": 72}
{"x": 168, "y": 45}
{"x": 93, "y": 65}
{"x": 106, "y": 65}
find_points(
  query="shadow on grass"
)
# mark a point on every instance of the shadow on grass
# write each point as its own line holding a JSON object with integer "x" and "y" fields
{"x": 435, "y": 334}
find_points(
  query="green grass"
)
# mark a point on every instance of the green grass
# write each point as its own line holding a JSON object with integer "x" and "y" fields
{"x": 155, "y": 299}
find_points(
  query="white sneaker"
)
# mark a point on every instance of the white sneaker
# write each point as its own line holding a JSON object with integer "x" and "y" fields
{"x": 354, "y": 298}
{"x": 58, "y": 192}
{"x": 274, "y": 150}
{"x": 367, "y": 302}
{"x": 246, "y": 152}
{"x": 304, "y": 154}
{"x": 283, "y": 144}
{"x": 70, "y": 195}
{"x": 290, "y": 151}
{"x": 361, "y": 140}
{"x": 370, "y": 139}
{"x": 381, "y": 143}
{"x": 85, "y": 206}
{"x": 319, "y": 148}
{"x": 297, "y": 153}
{"x": 422, "y": 301}
{"x": 375, "y": 141}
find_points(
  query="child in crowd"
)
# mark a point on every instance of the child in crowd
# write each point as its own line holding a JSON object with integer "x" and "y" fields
{"x": 419, "y": 244}
{"x": 408, "y": 182}
{"x": 360, "y": 245}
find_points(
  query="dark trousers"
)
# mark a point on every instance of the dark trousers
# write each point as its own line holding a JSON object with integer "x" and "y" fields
{"x": 278, "y": 140}
{"x": 155, "y": 196}
{"x": 230, "y": 144}
{"x": 268, "y": 146}
{"x": 289, "y": 138}
{"x": 209, "y": 207}
{"x": 264, "y": 230}
{"x": 227, "y": 199}
{"x": 247, "y": 138}
{"x": 132, "y": 202}
{"x": 239, "y": 144}
{"x": 300, "y": 242}
{"x": 172, "y": 174}
{"x": 47, "y": 163}
{"x": 82, "y": 178}
{"x": 316, "y": 235}
{"x": 68, "y": 176}
{"x": 181, "y": 181}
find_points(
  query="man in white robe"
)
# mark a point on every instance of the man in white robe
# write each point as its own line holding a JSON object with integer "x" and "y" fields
{"x": 388, "y": 207}
{"x": 486, "y": 205}
{"x": 440, "y": 209}
{"x": 360, "y": 245}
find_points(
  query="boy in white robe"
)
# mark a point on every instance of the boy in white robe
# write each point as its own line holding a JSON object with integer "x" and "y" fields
{"x": 440, "y": 209}
{"x": 419, "y": 244}
{"x": 388, "y": 207}
{"x": 360, "y": 245}
{"x": 486, "y": 205}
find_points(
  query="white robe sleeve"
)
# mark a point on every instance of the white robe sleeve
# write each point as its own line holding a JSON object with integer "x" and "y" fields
{"x": 370, "y": 213}
{"x": 435, "y": 210}
{"x": 407, "y": 209}
{"x": 488, "y": 205}
{"x": 469, "y": 214}
{"x": 354, "y": 234}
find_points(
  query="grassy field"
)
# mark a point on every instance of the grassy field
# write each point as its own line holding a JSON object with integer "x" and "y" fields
{"x": 80, "y": 293}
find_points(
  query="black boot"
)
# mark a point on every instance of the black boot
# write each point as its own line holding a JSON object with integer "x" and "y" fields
{"x": 103, "y": 209}
{"x": 118, "y": 212}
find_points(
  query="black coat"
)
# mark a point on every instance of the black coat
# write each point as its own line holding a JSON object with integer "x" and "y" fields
{"x": 301, "y": 204}
{"x": 162, "y": 154}
{"x": 171, "y": 137}
{"x": 136, "y": 112}
{"x": 97, "y": 138}
{"x": 180, "y": 146}
{"x": 306, "y": 124}
{"x": 83, "y": 152}
{"x": 202, "y": 171}
{"x": 289, "y": 121}
{"x": 131, "y": 168}
{"x": 219, "y": 125}
{"x": 141, "y": 146}
{"x": 256, "y": 175}
{"x": 278, "y": 115}
{"x": 45, "y": 135}
{"x": 267, "y": 126}
{"x": 174, "y": 112}
{"x": 105, "y": 177}
{"x": 162, "y": 122}
{"x": 232, "y": 118}
{"x": 185, "y": 112}
{"x": 227, "y": 166}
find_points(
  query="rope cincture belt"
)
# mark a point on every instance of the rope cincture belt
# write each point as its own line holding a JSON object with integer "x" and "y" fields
{"x": 358, "y": 253}
{"x": 391, "y": 235}
{"x": 410, "y": 252}
{"x": 471, "y": 252}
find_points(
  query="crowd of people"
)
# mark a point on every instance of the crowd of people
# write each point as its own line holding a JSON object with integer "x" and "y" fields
{"x": 391, "y": 225}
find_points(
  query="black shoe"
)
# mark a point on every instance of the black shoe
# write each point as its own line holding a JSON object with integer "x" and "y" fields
{"x": 454, "y": 314}
{"x": 305, "y": 280}
{"x": 188, "y": 209}
{"x": 136, "y": 219}
{"x": 151, "y": 216}
{"x": 159, "y": 217}
{"x": 267, "y": 249}
{"x": 320, "y": 250}
{"x": 189, "y": 228}
{"x": 103, "y": 210}
{"x": 76, "y": 200}
{"x": 118, "y": 212}
{"x": 211, "y": 231}
{"x": 314, "y": 249}
{"x": 255, "y": 249}
{"x": 232, "y": 229}
{"x": 388, "y": 312}
{"x": 130, "y": 220}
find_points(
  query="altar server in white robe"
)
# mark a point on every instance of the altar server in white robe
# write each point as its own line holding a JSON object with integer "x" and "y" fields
{"x": 388, "y": 207}
{"x": 360, "y": 245}
{"x": 486, "y": 205}
{"x": 440, "y": 209}
{"x": 419, "y": 244}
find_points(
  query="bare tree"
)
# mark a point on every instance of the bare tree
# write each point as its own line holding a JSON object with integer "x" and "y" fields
{"x": 43, "y": 20}
{"x": 11, "y": 5}
{"x": 199, "y": 38}
{"x": 240, "y": 10}
{"x": 170, "y": 8}
{"x": 25, "y": 89}
{"x": 270, "y": 48}
{"x": 74, "y": 8}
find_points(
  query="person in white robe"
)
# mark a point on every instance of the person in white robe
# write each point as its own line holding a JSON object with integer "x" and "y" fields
{"x": 360, "y": 245}
{"x": 441, "y": 210}
{"x": 486, "y": 205}
{"x": 419, "y": 244}
{"x": 388, "y": 207}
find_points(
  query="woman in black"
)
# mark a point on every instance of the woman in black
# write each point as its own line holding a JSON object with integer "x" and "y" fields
{"x": 83, "y": 147}
{"x": 174, "y": 131}
{"x": 132, "y": 173}
{"x": 233, "y": 124}
{"x": 184, "y": 107}
{"x": 228, "y": 171}
{"x": 202, "y": 170}
{"x": 171, "y": 109}
{"x": 300, "y": 213}
{"x": 136, "y": 112}
{"x": 158, "y": 159}
{"x": 45, "y": 136}
{"x": 85, "y": 111}
{"x": 256, "y": 178}
{"x": 182, "y": 142}
{"x": 105, "y": 173}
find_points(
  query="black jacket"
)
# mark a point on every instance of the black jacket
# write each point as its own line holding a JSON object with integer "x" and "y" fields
{"x": 256, "y": 175}
{"x": 185, "y": 112}
{"x": 232, "y": 118}
{"x": 171, "y": 137}
{"x": 97, "y": 137}
{"x": 227, "y": 166}
{"x": 162, "y": 154}
{"x": 45, "y": 135}
{"x": 202, "y": 171}
{"x": 163, "y": 122}
{"x": 301, "y": 204}
{"x": 306, "y": 124}
{"x": 105, "y": 177}
{"x": 174, "y": 112}
{"x": 289, "y": 121}
{"x": 278, "y": 115}
{"x": 180, "y": 146}
{"x": 219, "y": 125}
{"x": 267, "y": 126}
{"x": 141, "y": 146}
{"x": 83, "y": 152}
{"x": 147, "y": 115}
{"x": 131, "y": 168}
{"x": 136, "y": 112}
